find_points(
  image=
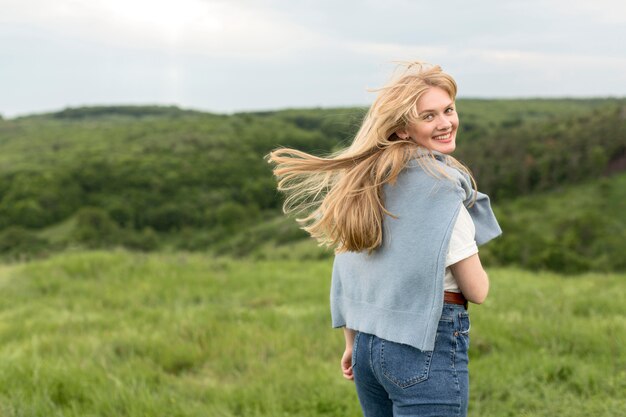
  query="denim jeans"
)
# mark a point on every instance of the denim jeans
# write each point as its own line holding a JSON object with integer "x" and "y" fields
{"x": 393, "y": 379}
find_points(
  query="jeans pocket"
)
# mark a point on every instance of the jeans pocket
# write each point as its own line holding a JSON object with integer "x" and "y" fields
{"x": 404, "y": 365}
{"x": 464, "y": 323}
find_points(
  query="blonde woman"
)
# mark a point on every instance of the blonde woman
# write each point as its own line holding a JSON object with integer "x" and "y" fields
{"x": 405, "y": 220}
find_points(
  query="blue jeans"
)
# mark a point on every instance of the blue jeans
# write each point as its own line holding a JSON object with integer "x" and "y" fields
{"x": 393, "y": 379}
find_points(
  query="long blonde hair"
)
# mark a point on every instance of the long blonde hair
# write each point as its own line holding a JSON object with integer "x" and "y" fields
{"x": 340, "y": 195}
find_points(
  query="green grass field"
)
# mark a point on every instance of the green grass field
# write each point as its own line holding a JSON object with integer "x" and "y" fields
{"x": 122, "y": 334}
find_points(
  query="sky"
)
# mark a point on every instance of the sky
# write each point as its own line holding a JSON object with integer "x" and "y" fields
{"x": 227, "y": 56}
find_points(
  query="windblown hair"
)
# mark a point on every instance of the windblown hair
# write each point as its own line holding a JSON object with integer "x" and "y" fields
{"x": 340, "y": 195}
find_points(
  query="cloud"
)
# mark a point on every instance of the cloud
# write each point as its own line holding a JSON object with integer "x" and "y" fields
{"x": 519, "y": 73}
{"x": 230, "y": 55}
{"x": 598, "y": 11}
{"x": 393, "y": 51}
{"x": 542, "y": 60}
{"x": 211, "y": 28}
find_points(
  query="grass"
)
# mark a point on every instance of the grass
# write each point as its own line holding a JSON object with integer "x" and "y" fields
{"x": 122, "y": 334}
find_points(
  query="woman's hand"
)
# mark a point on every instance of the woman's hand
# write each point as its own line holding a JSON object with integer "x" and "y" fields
{"x": 346, "y": 359}
{"x": 346, "y": 364}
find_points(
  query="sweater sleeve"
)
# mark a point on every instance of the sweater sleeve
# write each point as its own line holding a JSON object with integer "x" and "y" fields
{"x": 485, "y": 222}
{"x": 487, "y": 227}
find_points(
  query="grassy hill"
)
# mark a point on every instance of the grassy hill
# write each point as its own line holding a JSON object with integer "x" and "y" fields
{"x": 570, "y": 229}
{"x": 160, "y": 178}
{"x": 123, "y": 334}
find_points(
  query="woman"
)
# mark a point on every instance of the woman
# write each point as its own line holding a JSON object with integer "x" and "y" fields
{"x": 405, "y": 220}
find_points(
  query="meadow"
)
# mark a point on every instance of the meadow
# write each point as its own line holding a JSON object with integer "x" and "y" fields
{"x": 120, "y": 333}
{"x": 147, "y": 270}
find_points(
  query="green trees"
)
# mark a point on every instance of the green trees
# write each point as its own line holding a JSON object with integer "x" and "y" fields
{"x": 37, "y": 199}
{"x": 94, "y": 228}
{"x": 577, "y": 229}
{"x": 151, "y": 177}
{"x": 543, "y": 155}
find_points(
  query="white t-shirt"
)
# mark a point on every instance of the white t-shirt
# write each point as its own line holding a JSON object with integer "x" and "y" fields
{"x": 462, "y": 245}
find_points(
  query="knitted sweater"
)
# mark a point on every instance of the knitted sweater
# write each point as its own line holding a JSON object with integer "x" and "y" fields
{"x": 396, "y": 292}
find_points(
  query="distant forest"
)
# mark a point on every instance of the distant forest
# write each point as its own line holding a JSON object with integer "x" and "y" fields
{"x": 162, "y": 178}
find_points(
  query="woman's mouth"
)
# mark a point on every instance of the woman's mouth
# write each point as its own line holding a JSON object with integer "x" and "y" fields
{"x": 443, "y": 138}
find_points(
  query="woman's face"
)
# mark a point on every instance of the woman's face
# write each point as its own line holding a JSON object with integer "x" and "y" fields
{"x": 437, "y": 122}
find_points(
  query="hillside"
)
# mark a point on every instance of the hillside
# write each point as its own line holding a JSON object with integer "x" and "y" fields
{"x": 153, "y": 177}
{"x": 571, "y": 229}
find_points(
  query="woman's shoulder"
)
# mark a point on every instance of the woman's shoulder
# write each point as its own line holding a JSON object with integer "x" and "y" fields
{"x": 435, "y": 177}
{"x": 435, "y": 170}
{"x": 434, "y": 183}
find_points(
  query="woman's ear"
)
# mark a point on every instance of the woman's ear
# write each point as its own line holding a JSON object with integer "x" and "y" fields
{"x": 402, "y": 134}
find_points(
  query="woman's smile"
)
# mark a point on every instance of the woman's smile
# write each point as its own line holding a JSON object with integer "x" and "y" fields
{"x": 446, "y": 138}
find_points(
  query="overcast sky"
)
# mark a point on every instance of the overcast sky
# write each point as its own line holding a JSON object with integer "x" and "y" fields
{"x": 237, "y": 55}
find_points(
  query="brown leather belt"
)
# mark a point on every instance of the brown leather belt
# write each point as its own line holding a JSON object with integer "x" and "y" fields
{"x": 454, "y": 298}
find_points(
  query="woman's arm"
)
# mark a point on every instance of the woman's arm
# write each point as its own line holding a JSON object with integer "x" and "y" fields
{"x": 346, "y": 358}
{"x": 471, "y": 279}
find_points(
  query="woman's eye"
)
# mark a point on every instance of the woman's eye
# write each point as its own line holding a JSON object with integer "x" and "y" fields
{"x": 428, "y": 117}
{"x": 450, "y": 110}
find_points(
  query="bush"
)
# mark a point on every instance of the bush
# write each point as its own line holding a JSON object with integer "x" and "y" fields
{"x": 198, "y": 239}
{"x": 15, "y": 241}
{"x": 144, "y": 240}
{"x": 94, "y": 228}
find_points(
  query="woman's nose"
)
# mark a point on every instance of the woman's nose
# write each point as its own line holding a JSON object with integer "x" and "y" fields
{"x": 444, "y": 124}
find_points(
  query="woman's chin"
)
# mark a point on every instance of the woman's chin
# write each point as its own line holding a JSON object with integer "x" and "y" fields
{"x": 444, "y": 148}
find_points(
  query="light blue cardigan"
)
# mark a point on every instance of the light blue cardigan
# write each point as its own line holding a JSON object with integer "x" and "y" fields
{"x": 396, "y": 292}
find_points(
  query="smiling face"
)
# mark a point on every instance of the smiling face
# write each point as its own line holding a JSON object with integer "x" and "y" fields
{"x": 437, "y": 122}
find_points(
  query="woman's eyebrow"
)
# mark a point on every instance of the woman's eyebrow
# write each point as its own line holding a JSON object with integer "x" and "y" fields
{"x": 432, "y": 111}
